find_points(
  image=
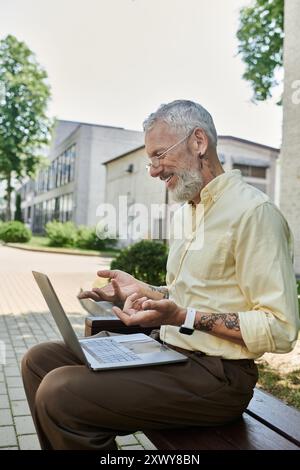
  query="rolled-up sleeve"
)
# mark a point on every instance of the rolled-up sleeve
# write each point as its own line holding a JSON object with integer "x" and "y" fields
{"x": 264, "y": 269}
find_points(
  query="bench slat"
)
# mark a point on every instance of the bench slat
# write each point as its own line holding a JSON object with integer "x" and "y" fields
{"x": 250, "y": 434}
{"x": 282, "y": 418}
{"x": 189, "y": 439}
{"x": 244, "y": 434}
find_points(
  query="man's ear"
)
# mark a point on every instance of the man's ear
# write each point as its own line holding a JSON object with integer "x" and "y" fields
{"x": 201, "y": 141}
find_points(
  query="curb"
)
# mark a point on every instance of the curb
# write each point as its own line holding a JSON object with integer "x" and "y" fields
{"x": 18, "y": 247}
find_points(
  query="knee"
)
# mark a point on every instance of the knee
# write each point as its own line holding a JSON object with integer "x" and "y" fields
{"x": 52, "y": 394}
{"x": 33, "y": 357}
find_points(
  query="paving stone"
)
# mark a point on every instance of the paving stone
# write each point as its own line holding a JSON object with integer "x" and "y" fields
{"x": 145, "y": 442}
{"x": 9, "y": 448}
{"x": 9, "y": 353}
{"x": 7, "y": 436}
{"x": 132, "y": 448}
{"x": 16, "y": 393}
{"x": 126, "y": 440}
{"x": 12, "y": 371}
{"x": 20, "y": 408}
{"x": 3, "y": 389}
{"x": 14, "y": 382}
{"x": 1, "y": 377}
{"x": 29, "y": 442}
{"x": 5, "y": 418}
{"x": 4, "y": 403}
{"x": 24, "y": 425}
{"x": 12, "y": 362}
{"x": 20, "y": 351}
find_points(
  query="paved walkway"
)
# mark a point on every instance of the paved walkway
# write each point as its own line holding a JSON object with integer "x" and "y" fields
{"x": 25, "y": 321}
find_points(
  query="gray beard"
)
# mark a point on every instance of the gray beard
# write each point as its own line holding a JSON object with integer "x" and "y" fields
{"x": 189, "y": 185}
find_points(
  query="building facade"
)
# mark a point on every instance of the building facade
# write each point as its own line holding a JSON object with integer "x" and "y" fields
{"x": 72, "y": 185}
{"x": 90, "y": 166}
{"x": 290, "y": 151}
{"x": 128, "y": 182}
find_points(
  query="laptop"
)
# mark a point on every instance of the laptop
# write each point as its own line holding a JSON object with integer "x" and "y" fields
{"x": 112, "y": 352}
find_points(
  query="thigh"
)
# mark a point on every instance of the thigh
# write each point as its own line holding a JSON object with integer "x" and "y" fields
{"x": 174, "y": 395}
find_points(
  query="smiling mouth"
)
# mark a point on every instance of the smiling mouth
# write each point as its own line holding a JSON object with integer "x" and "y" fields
{"x": 167, "y": 178}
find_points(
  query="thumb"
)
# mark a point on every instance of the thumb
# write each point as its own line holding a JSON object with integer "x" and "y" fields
{"x": 116, "y": 287}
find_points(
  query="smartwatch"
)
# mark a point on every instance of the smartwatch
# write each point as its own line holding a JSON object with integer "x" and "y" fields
{"x": 188, "y": 327}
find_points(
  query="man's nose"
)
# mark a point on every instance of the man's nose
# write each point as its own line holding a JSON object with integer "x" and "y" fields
{"x": 155, "y": 171}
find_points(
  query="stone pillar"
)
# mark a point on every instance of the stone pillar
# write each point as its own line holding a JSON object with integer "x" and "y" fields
{"x": 290, "y": 152}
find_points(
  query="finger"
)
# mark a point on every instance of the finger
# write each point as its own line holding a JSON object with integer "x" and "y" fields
{"x": 120, "y": 314}
{"x": 132, "y": 297}
{"x": 108, "y": 273}
{"x": 124, "y": 317}
{"x": 89, "y": 295}
{"x": 152, "y": 305}
{"x": 99, "y": 292}
{"x": 139, "y": 302}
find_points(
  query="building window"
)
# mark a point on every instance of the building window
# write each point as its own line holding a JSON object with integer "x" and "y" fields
{"x": 251, "y": 171}
{"x": 59, "y": 208}
{"x": 61, "y": 171}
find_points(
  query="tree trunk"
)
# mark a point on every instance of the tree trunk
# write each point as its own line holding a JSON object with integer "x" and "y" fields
{"x": 9, "y": 190}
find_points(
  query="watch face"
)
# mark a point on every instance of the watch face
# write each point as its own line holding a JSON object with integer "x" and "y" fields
{"x": 186, "y": 331}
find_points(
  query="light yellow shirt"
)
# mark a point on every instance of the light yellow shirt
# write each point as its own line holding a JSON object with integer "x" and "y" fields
{"x": 244, "y": 266}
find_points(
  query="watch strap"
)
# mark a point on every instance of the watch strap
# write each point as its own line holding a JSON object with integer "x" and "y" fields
{"x": 190, "y": 318}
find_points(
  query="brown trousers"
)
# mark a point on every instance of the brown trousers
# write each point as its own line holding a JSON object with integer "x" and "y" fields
{"x": 76, "y": 408}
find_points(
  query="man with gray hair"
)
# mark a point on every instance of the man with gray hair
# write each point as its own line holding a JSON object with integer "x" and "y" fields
{"x": 225, "y": 303}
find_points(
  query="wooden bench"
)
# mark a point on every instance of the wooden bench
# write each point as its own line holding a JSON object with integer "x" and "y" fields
{"x": 267, "y": 424}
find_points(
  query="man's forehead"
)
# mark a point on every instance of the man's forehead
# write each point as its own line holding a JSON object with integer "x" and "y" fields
{"x": 160, "y": 136}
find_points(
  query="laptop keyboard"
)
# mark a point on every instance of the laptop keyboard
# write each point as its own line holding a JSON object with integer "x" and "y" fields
{"x": 108, "y": 350}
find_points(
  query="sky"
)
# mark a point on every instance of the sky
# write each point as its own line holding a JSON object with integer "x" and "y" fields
{"x": 114, "y": 62}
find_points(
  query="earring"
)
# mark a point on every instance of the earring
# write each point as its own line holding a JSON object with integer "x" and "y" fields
{"x": 201, "y": 157}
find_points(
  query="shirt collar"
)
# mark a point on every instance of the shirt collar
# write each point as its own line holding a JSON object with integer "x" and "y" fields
{"x": 215, "y": 188}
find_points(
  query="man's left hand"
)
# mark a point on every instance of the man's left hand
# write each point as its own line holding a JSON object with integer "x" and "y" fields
{"x": 153, "y": 313}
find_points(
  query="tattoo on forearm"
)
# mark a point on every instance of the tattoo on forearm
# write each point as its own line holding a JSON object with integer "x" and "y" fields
{"x": 207, "y": 322}
{"x": 162, "y": 290}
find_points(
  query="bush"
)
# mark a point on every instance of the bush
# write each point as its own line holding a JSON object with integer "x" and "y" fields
{"x": 14, "y": 232}
{"x": 87, "y": 238}
{"x": 145, "y": 260}
{"x": 61, "y": 234}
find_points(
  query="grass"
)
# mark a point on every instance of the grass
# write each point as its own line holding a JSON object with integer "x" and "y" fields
{"x": 42, "y": 243}
{"x": 286, "y": 387}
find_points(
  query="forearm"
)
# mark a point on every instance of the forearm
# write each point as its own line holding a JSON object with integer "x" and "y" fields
{"x": 222, "y": 325}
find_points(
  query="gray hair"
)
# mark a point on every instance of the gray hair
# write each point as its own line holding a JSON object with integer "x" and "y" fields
{"x": 184, "y": 116}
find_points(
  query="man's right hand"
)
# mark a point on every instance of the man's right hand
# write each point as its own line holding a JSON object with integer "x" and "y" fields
{"x": 121, "y": 286}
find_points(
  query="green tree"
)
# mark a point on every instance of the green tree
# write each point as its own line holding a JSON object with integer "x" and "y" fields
{"x": 260, "y": 38}
{"x": 24, "y": 125}
{"x": 18, "y": 212}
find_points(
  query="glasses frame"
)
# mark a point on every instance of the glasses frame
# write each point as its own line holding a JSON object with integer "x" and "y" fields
{"x": 164, "y": 154}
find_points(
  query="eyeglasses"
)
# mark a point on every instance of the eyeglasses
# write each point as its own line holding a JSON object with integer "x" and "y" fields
{"x": 155, "y": 160}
